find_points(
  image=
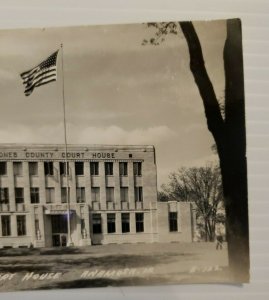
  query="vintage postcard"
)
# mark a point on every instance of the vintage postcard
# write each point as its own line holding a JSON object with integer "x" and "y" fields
{"x": 122, "y": 156}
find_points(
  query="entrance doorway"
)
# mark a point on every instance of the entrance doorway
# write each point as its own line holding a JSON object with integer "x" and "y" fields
{"x": 59, "y": 230}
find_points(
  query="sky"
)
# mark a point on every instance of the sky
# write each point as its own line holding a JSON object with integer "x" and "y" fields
{"x": 117, "y": 91}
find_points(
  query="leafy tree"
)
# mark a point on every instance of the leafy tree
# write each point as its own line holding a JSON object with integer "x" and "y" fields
{"x": 227, "y": 125}
{"x": 202, "y": 186}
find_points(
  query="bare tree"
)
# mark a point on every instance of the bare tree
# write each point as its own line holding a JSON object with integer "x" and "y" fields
{"x": 227, "y": 128}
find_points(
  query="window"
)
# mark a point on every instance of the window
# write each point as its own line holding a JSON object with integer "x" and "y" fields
{"x": 19, "y": 195}
{"x": 37, "y": 227}
{"x": 96, "y": 223}
{"x": 173, "y": 221}
{"x": 3, "y": 168}
{"x": 33, "y": 168}
{"x": 125, "y": 222}
{"x": 79, "y": 168}
{"x": 17, "y": 168}
{"x": 124, "y": 197}
{"x": 137, "y": 168}
{"x": 34, "y": 192}
{"x": 94, "y": 166}
{"x": 4, "y": 198}
{"x": 111, "y": 223}
{"x": 138, "y": 194}
{"x": 64, "y": 194}
{"x": 123, "y": 168}
{"x": 108, "y": 168}
{"x": 21, "y": 225}
{"x": 63, "y": 168}
{"x": 109, "y": 194}
{"x": 50, "y": 195}
{"x": 96, "y": 194}
{"x": 5, "y": 222}
{"x": 48, "y": 166}
{"x": 139, "y": 222}
{"x": 80, "y": 194}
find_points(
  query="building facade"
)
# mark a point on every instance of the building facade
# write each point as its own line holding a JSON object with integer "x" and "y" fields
{"x": 85, "y": 195}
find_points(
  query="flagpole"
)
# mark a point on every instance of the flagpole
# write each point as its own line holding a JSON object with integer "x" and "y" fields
{"x": 69, "y": 242}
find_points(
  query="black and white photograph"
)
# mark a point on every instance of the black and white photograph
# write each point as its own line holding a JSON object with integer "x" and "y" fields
{"x": 123, "y": 156}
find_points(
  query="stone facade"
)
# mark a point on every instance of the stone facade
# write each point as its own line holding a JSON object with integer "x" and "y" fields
{"x": 112, "y": 197}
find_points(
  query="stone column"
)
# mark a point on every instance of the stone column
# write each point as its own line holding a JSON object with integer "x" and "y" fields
{"x": 102, "y": 185}
{"x": 88, "y": 192}
{"x": 11, "y": 186}
{"x": 42, "y": 184}
{"x": 131, "y": 185}
{"x": 72, "y": 183}
{"x": 26, "y": 180}
{"x": 117, "y": 199}
{"x": 57, "y": 191}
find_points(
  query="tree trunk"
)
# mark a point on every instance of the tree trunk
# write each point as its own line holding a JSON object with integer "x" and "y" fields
{"x": 229, "y": 136}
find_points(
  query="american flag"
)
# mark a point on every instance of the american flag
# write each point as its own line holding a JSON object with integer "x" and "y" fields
{"x": 42, "y": 74}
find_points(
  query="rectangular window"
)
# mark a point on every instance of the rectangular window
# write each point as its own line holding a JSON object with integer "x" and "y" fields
{"x": 108, "y": 168}
{"x": 124, "y": 197}
{"x": 138, "y": 194}
{"x": 94, "y": 166}
{"x": 3, "y": 168}
{"x": 123, "y": 168}
{"x": 63, "y": 167}
{"x": 96, "y": 223}
{"x": 79, "y": 168}
{"x": 173, "y": 221}
{"x": 33, "y": 168}
{"x": 125, "y": 222}
{"x": 111, "y": 223}
{"x": 48, "y": 167}
{"x": 80, "y": 194}
{"x": 137, "y": 168}
{"x": 17, "y": 168}
{"x": 139, "y": 222}
{"x": 34, "y": 192}
{"x": 5, "y": 222}
{"x": 21, "y": 225}
{"x": 96, "y": 194}
{"x": 109, "y": 194}
{"x": 19, "y": 195}
{"x": 64, "y": 194}
{"x": 50, "y": 195}
{"x": 4, "y": 197}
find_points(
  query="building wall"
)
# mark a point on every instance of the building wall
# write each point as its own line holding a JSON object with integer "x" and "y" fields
{"x": 38, "y": 215}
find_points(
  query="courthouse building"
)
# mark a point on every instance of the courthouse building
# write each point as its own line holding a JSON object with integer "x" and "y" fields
{"x": 107, "y": 194}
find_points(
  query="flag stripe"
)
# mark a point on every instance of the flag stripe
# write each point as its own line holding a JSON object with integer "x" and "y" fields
{"x": 41, "y": 75}
{"x": 44, "y": 73}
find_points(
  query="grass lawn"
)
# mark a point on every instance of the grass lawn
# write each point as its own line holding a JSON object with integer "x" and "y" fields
{"x": 112, "y": 265}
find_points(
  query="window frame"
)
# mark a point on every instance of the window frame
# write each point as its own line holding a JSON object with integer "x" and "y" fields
{"x": 95, "y": 188}
{"x": 125, "y": 222}
{"x": 138, "y": 194}
{"x": 17, "y": 168}
{"x": 139, "y": 224}
{"x": 79, "y": 166}
{"x": 34, "y": 195}
{"x": 137, "y": 168}
{"x": 94, "y": 168}
{"x": 123, "y": 168}
{"x": 80, "y": 191}
{"x": 6, "y": 226}
{"x": 3, "y": 167}
{"x": 48, "y": 168}
{"x": 33, "y": 163}
{"x": 97, "y": 223}
{"x": 22, "y": 224}
{"x": 4, "y": 195}
{"x": 111, "y": 223}
{"x": 49, "y": 194}
{"x": 173, "y": 221}
{"x": 110, "y": 194}
{"x": 109, "y": 168}
{"x": 64, "y": 194}
{"x": 17, "y": 189}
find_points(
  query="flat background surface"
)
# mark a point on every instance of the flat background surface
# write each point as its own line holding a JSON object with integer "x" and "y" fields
{"x": 255, "y": 19}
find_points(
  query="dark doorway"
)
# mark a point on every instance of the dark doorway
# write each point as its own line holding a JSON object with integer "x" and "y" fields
{"x": 59, "y": 230}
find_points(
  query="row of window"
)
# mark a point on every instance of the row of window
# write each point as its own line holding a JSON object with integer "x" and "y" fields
{"x": 80, "y": 194}
{"x": 111, "y": 223}
{"x": 58, "y": 226}
{"x": 64, "y": 168}
{"x": 6, "y": 225}
{"x": 125, "y": 222}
